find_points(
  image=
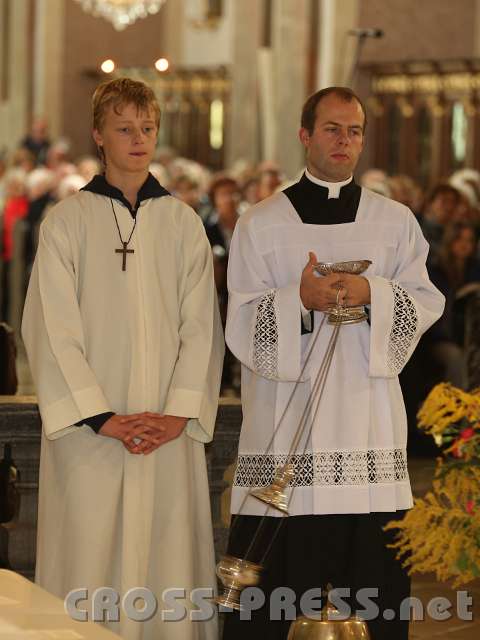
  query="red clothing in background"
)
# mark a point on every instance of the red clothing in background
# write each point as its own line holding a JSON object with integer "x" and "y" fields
{"x": 14, "y": 209}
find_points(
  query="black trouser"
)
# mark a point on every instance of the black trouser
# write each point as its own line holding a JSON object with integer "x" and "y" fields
{"x": 348, "y": 551}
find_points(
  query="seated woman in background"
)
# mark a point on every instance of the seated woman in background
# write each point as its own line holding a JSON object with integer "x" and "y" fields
{"x": 451, "y": 268}
{"x": 439, "y": 211}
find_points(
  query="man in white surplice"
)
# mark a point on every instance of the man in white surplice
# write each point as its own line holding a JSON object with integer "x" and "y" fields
{"x": 125, "y": 345}
{"x": 352, "y": 477}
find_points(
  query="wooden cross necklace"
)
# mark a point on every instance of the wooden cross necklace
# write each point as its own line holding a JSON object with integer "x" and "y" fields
{"x": 124, "y": 250}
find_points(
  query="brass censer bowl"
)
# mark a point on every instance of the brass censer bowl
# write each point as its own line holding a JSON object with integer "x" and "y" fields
{"x": 236, "y": 574}
{"x": 341, "y": 314}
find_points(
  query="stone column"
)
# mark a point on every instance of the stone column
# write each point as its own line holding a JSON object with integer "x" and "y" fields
{"x": 337, "y": 49}
{"x": 49, "y": 46}
{"x": 14, "y": 109}
{"x": 290, "y": 39}
{"x": 244, "y": 133}
{"x": 173, "y": 28}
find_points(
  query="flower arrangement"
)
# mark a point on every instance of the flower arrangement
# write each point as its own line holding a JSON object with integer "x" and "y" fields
{"x": 442, "y": 532}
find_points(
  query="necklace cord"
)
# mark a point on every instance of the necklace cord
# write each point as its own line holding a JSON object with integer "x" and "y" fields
{"x": 118, "y": 226}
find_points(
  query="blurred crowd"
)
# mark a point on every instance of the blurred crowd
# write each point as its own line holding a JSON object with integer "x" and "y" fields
{"x": 41, "y": 172}
{"x": 449, "y": 215}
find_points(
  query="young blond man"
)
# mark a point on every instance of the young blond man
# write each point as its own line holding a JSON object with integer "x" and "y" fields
{"x": 125, "y": 345}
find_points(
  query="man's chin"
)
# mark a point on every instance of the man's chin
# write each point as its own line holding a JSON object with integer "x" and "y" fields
{"x": 340, "y": 176}
{"x": 332, "y": 173}
{"x": 341, "y": 171}
{"x": 132, "y": 169}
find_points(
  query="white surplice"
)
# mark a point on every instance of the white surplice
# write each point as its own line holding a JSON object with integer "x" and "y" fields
{"x": 145, "y": 339}
{"x": 355, "y": 460}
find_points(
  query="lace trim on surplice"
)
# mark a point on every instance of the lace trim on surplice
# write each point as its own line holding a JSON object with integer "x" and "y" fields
{"x": 404, "y": 328}
{"x": 324, "y": 468}
{"x": 265, "y": 338}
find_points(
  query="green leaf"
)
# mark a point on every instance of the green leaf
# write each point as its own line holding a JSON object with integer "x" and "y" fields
{"x": 463, "y": 562}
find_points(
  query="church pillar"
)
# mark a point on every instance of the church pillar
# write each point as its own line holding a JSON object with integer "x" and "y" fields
{"x": 336, "y": 52}
{"x": 244, "y": 143}
{"x": 290, "y": 43}
{"x": 173, "y": 28}
{"x": 336, "y": 58}
{"x": 15, "y": 72}
{"x": 49, "y": 45}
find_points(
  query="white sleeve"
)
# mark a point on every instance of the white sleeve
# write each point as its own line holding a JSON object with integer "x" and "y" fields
{"x": 263, "y": 322}
{"x": 402, "y": 307}
{"x": 52, "y": 331}
{"x": 195, "y": 384}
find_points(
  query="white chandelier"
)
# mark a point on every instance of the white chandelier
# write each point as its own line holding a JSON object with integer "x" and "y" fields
{"x": 121, "y": 13}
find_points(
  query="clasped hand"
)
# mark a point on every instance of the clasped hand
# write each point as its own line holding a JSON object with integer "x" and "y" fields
{"x": 322, "y": 293}
{"x": 143, "y": 432}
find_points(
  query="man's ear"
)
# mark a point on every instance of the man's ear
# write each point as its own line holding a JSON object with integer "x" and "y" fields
{"x": 304, "y": 136}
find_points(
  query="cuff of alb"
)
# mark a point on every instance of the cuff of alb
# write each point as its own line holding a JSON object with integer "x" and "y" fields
{"x": 96, "y": 422}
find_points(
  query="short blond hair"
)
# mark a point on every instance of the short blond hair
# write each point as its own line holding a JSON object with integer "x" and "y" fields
{"x": 120, "y": 92}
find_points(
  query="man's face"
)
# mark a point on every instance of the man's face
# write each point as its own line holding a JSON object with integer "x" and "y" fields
{"x": 128, "y": 138}
{"x": 334, "y": 146}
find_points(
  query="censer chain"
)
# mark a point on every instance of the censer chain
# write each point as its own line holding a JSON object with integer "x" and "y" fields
{"x": 287, "y": 406}
{"x": 319, "y": 385}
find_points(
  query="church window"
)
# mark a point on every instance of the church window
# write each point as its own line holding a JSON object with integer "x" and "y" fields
{"x": 459, "y": 135}
{"x": 216, "y": 124}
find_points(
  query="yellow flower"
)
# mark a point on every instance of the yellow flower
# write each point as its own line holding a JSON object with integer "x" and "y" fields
{"x": 447, "y": 405}
{"x": 439, "y": 533}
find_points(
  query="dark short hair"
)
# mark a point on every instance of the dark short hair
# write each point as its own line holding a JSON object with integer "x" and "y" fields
{"x": 221, "y": 181}
{"x": 309, "y": 111}
{"x": 440, "y": 189}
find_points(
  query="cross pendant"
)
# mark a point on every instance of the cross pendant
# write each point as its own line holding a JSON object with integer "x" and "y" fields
{"x": 124, "y": 251}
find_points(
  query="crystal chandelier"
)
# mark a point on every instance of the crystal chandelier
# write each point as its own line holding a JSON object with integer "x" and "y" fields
{"x": 121, "y": 13}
